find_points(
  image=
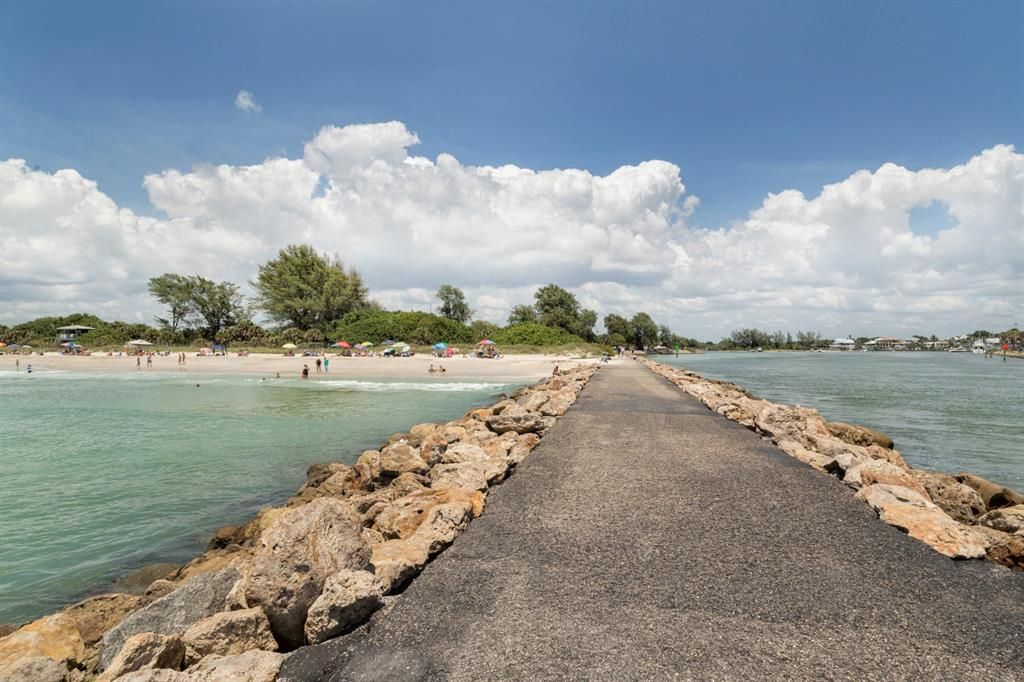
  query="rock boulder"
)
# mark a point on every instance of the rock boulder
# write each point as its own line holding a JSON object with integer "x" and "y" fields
{"x": 228, "y": 633}
{"x": 961, "y": 502}
{"x": 859, "y": 435}
{"x": 1006, "y": 519}
{"x": 347, "y": 600}
{"x": 401, "y": 458}
{"x": 146, "y": 651}
{"x": 251, "y": 666}
{"x": 54, "y": 636}
{"x": 995, "y": 496}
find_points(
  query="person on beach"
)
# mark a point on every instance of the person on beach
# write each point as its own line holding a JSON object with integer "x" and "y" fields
{"x": 431, "y": 370}
{"x": 441, "y": 369}
{"x": 149, "y": 362}
{"x": 278, "y": 376}
{"x": 305, "y": 371}
{"x": 17, "y": 363}
{"x": 319, "y": 364}
{"x": 138, "y": 362}
{"x": 554, "y": 372}
{"x": 327, "y": 362}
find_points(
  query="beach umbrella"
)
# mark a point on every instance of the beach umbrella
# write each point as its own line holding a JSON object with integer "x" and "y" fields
{"x": 344, "y": 344}
{"x": 388, "y": 342}
{"x": 138, "y": 342}
{"x": 486, "y": 342}
{"x": 366, "y": 344}
{"x": 27, "y": 346}
{"x": 289, "y": 345}
{"x": 440, "y": 346}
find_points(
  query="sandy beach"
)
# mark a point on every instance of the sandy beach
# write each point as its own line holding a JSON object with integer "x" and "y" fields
{"x": 511, "y": 367}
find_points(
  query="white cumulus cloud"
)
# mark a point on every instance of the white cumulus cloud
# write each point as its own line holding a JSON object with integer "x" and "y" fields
{"x": 844, "y": 261}
{"x": 246, "y": 101}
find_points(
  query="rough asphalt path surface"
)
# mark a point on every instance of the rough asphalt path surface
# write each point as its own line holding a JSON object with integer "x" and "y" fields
{"x": 649, "y": 538}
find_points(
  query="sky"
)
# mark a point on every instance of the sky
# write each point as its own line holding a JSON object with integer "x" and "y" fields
{"x": 845, "y": 167}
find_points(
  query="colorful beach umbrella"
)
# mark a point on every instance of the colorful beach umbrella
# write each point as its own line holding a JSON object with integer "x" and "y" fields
{"x": 289, "y": 345}
{"x": 486, "y": 342}
{"x": 343, "y": 344}
{"x": 440, "y": 346}
{"x": 366, "y": 344}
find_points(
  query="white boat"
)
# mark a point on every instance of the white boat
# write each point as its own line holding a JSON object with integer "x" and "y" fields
{"x": 978, "y": 347}
{"x": 959, "y": 350}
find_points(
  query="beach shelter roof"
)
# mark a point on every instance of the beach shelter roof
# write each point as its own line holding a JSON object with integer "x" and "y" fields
{"x": 289, "y": 345}
{"x": 138, "y": 342}
{"x": 75, "y": 328}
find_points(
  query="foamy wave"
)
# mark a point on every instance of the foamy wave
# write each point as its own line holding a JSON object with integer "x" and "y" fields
{"x": 395, "y": 386}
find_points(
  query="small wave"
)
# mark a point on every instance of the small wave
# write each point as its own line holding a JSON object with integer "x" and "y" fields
{"x": 395, "y": 386}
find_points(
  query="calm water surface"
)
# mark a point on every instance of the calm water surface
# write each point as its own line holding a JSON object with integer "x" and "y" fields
{"x": 106, "y": 473}
{"x": 949, "y": 412}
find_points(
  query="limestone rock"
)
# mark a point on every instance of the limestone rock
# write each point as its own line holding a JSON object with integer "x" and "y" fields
{"x": 251, "y": 666}
{"x": 532, "y": 402}
{"x": 859, "y": 435}
{"x": 880, "y": 471}
{"x": 156, "y": 590}
{"x": 463, "y": 452}
{"x": 395, "y": 562}
{"x": 421, "y": 431}
{"x": 318, "y": 473}
{"x": 295, "y": 556}
{"x": 797, "y": 451}
{"x": 515, "y": 418}
{"x": 1009, "y": 553}
{"x": 843, "y": 462}
{"x": 909, "y": 511}
{"x": 468, "y": 475}
{"x": 403, "y": 516}
{"x": 1006, "y": 519}
{"x": 994, "y": 495}
{"x": 523, "y": 446}
{"x": 228, "y": 633}
{"x": 157, "y": 675}
{"x": 433, "y": 447}
{"x": 961, "y": 502}
{"x": 54, "y": 636}
{"x": 34, "y": 669}
{"x": 346, "y": 480}
{"x": 371, "y": 460}
{"x": 443, "y": 524}
{"x": 558, "y": 403}
{"x": 889, "y": 455}
{"x": 782, "y": 421}
{"x": 201, "y": 596}
{"x": 144, "y": 651}
{"x": 347, "y": 600}
{"x": 401, "y": 458}
{"x": 96, "y": 615}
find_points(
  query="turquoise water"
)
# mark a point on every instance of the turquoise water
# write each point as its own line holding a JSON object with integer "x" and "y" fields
{"x": 949, "y": 412}
{"x": 104, "y": 473}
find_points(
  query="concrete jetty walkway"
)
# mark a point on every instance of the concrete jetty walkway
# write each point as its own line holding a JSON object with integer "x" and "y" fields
{"x": 649, "y": 538}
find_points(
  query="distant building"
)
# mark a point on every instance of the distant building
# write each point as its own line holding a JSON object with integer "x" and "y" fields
{"x": 71, "y": 332}
{"x": 842, "y": 344}
{"x": 885, "y": 343}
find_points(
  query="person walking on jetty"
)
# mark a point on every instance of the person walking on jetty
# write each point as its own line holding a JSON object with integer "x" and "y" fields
{"x": 305, "y": 371}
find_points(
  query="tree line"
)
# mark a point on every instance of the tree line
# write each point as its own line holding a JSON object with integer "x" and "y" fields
{"x": 312, "y": 298}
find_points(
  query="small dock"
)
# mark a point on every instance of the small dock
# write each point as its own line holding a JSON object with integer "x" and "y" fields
{"x": 648, "y": 538}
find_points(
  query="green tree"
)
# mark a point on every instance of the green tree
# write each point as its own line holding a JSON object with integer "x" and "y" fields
{"x": 306, "y": 289}
{"x": 484, "y": 330}
{"x": 217, "y": 305}
{"x": 521, "y": 314}
{"x": 556, "y": 307}
{"x": 643, "y": 330}
{"x": 616, "y": 324}
{"x": 175, "y": 292}
{"x": 453, "y": 303}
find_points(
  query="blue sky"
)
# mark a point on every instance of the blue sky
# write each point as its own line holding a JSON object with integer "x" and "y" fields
{"x": 743, "y": 99}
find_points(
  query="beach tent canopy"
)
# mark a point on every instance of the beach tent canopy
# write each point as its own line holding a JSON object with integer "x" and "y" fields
{"x": 388, "y": 342}
{"x": 289, "y": 345}
{"x": 138, "y": 342}
{"x": 486, "y": 342}
{"x": 440, "y": 346}
{"x": 366, "y": 344}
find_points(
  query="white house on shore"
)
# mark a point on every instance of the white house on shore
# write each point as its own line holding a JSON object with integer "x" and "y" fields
{"x": 71, "y": 332}
{"x": 842, "y": 344}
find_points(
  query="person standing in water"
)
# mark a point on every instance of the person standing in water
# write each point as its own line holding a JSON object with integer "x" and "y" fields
{"x": 305, "y": 371}
{"x": 149, "y": 362}
{"x": 319, "y": 363}
{"x": 138, "y": 362}
{"x": 327, "y": 362}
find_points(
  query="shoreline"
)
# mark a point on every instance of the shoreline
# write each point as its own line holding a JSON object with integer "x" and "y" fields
{"x": 961, "y": 517}
{"x": 510, "y": 367}
{"x": 386, "y": 517}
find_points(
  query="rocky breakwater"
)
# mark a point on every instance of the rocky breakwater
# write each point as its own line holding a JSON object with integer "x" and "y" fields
{"x": 962, "y": 516}
{"x": 315, "y": 568}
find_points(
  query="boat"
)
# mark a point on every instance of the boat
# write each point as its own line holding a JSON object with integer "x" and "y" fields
{"x": 978, "y": 347}
{"x": 958, "y": 349}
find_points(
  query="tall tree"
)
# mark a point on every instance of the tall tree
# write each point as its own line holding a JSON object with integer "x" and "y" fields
{"x": 522, "y": 314}
{"x": 217, "y": 304}
{"x": 306, "y": 289}
{"x": 453, "y": 303}
{"x": 175, "y": 292}
{"x": 643, "y": 330}
{"x": 616, "y": 324}
{"x": 557, "y": 307}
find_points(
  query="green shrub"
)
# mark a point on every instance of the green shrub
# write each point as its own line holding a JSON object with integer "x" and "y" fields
{"x": 411, "y": 327}
{"x": 534, "y": 334}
